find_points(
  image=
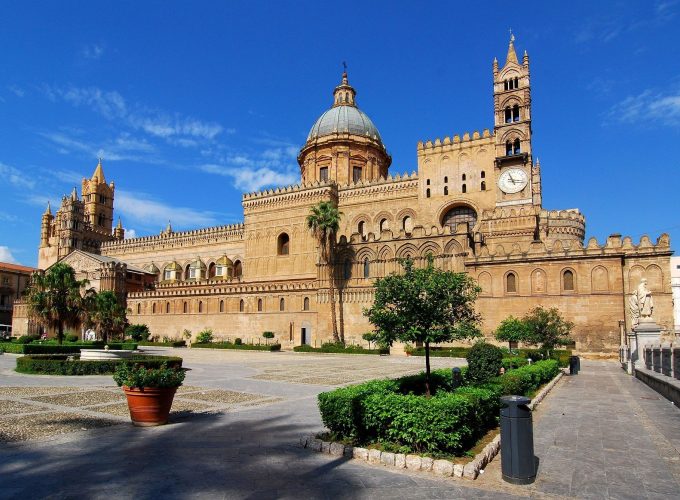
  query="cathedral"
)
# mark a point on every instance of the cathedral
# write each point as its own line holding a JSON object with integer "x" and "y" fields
{"x": 474, "y": 205}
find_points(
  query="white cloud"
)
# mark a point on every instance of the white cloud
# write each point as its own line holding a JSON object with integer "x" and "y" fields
{"x": 130, "y": 233}
{"x": 253, "y": 179}
{"x": 648, "y": 106}
{"x": 124, "y": 147}
{"x": 146, "y": 212}
{"x": 6, "y": 255}
{"x": 17, "y": 91}
{"x": 16, "y": 177}
{"x": 92, "y": 51}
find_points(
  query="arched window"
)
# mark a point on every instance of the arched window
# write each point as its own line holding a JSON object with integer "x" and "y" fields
{"x": 516, "y": 82}
{"x": 187, "y": 272}
{"x": 516, "y": 148}
{"x": 505, "y": 85}
{"x": 282, "y": 304}
{"x": 463, "y": 177}
{"x": 508, "y": 148}
{"x": 211, "y": 270}
{"x": 428, "y": 182}
{"x": 483, "y": 186}
{"x": 483, "y": 174}
{"x": 446, "y": 179}
{"x": 361, "y": 228}
{"x": 508, "y": 115}
{"x": 259, "y": 305}
{"x": 139, "y": 308}
{"x": 221, "y": 306}
{"x": 186, "y": 308}
{"x": 238, "y": 269}
{"x": 153, "y": 308}
{"x": 167, "y": 308}
{"x": 515, "y": 113}
{"x": 384, "y": 225}
{"x": 460, "y": 214}
{"x": 568, "y": 280}
{"x": 241, "y": 305}
{"x": 367, "y": 268}
{"x": 446, "y": 190}
{"x": 347, "y": 269}
{"x": 407, "y": 224}
{"x": 200, "y": 306}
{"x": 464, "y": 189}
{"x": 283, "y": 244}
{"x": 511, "y": 283}
{"x": 305, "y": 304}
{"x": 427, "y": 193}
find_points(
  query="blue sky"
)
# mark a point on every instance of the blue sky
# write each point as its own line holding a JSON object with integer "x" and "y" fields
{"x": 193, "y": 103}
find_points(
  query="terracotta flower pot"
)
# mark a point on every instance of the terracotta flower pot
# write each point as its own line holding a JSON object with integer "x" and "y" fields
{"x": 149, "y": 406}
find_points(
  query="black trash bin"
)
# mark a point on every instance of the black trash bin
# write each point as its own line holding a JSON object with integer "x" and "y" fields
{"x": 518, "y": 464}
{"x": 574, "y": 365}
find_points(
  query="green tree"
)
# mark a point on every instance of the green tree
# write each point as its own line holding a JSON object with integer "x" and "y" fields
{"x": 513, "y": 329}
{"x": 55, "y": 298}
{"x": 548, "y": 329}
{"x": 138, "y": 333}
{"x": 324, "y": 222}
{"x": 370, "y": 337}
{"x": 106, "y": 315}
{"x": 268, "y": 336}
{"x": 425, "y": 305}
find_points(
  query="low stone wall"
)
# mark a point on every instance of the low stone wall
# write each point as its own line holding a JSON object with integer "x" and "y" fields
{"x": 663, "y": 358}
{"x": 666, "y": 386}
{"x": 444, "y": 468}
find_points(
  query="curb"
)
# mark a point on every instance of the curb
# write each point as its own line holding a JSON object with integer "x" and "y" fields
{"x": 444, "y": 468}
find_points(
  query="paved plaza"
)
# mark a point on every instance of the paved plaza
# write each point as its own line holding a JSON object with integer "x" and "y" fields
{"x": 236, "y": 423}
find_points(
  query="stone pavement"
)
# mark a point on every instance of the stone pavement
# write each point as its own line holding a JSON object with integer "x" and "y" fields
{"x": 599, "y": 434}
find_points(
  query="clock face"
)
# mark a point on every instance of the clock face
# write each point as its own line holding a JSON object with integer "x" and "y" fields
{"x": 513, "y": 180}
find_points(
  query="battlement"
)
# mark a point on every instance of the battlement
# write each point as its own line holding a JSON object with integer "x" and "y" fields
{"x": 392, "y": 183}
{"x": 457, "y": 142}
{"x": 186, "y": 289}
{"x": 289, "y": 196}
{"x": 231, "y": 232}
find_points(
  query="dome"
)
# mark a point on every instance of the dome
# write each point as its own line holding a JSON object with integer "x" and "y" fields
{"x": 343, "y": 120}
{"x": 224, "y": 261}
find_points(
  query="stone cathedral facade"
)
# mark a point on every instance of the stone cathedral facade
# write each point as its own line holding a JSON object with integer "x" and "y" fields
{"x": 474, "y": 204}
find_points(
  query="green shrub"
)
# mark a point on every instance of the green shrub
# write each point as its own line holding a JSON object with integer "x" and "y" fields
{"x": 73, "y": 348}
{"x": 268, "y": 335}
{"x": 340, "y": 348}
{"x": 238, "y": 341}
{"x": 528, "y": 378}
{"x": 205, "y": 336}
{"x": 243, "y": 347}
{"x": 440, "y": 352}
{"x": 514, "y": 362}
{"x": 59, "y": 364}
{"x": 13, "y": 347}
{"x": 137, "y": 332}
{"x": 138, "y": 376}
{"x": 27, "y": 339}
{"x": 71, "y": 337}
{"x": 171, "y": 343}
{"x": 484, "y": 362}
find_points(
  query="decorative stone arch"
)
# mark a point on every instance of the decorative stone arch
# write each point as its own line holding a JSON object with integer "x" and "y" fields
{"x": 365, "y": 252}
{"x": 444, "y": 209}
{"x": 453, "y": 247}
{"x": 485, "y": 281}
{"x": 283, "y": 243}
{"x": 511, "y": 100}
{"x": 508, "y": 282}
{"x": 379, "y": 218}
{"x": 385, "y": 253}
{"x": 568, "y": 283}
{"x": 599, "y": 279}
{"x": 355, "y": 228}
{"x": 407, "y": 250}
{"x": 635, "y": 274}
{"x": 429, "y": 247}
{"x": 402, "y": 222}
{"x": 539, "y": 281}
{"x": 513, "y": 133}
{"x": 509, "y": 72}
{"x": 654, "y": 276}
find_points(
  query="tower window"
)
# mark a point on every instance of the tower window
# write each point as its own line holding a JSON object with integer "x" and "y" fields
{"x": 446, "y": 179}
{"x": 367, "y": 268}
{"x": 361, "y": 228}
{"x": 305, "y": 304}
{"x": 153, "y": 308}
{"x": 505, "y": 85}
{"x": 464, "y": 190}
{"x": 427, "y": 182}
{"x": 200, "y": 306}
{"x": 167, "y": 307}
{"x": 446, "y": 190}
{"x": 100, "y": 220}
{"x": 323, "y": 174}
{"x": 427, "y": 193}
{"x": 238, "y": 269}
{"x": 483, "y": 174}
{"x": 516, "y": 82}
{"x": 221, "y": 306}
{"x": 282, "y": 304}
{"x": 508, "y": 115}
{"x": 516, "y": 148}
{"x": 515, "y": 113}
{"x": 508, "y": 148}
{"x": 483, "y": 186}
{"x": 463, "y": 177}
{"x": 283, "y": 244}
{"x": 259, "y": 305}
{"x": 407, "y": 224}
{"x": 356, "y": 174}
{"x": 568, "y": 280}
{"x": 139, "y": 308}
{"x": 241, "y": 305}
{"x": 186, "y": 308}
{"x": 460, "y": 214}
{"x": 384, "y": 225}
{"x": 511, "y": 283}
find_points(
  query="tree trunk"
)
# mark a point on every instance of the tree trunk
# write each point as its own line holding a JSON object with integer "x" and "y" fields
{"x": 331, "y": 292}
{"x": 60, "y": 332}
{"x": 341, "y": 315}
{"x": 428, "y": 393}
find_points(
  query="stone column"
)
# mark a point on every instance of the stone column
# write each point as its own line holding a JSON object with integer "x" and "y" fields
{"x": 646, "y": 332}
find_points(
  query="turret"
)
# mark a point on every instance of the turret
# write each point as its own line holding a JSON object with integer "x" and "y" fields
{"x": 46, "y": 226}
{"x": 98, "y": 198}
{"x": 119, "y": 232}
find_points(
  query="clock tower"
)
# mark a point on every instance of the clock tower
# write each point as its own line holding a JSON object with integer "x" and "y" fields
{"x": 518, "y": 178}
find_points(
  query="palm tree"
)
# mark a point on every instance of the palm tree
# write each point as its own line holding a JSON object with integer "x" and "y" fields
{"x": 106, "y": 315}
{"x": 324, "y": 222}
{"x": 54, "y": 298}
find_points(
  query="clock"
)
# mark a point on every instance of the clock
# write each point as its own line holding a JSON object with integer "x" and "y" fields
{"x": 513, "y": 180}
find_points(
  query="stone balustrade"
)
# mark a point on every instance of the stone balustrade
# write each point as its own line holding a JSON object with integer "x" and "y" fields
{"x": 663, "y": 358}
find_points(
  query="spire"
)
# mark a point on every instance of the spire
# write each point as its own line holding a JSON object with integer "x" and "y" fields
{"x": 512, "y": 55}
{"x": 119, "y": 225}
{"x": 74, "y": 194}
{"x": 525, "y": 60}
{"x": 48, "y": 210}
{"x": 344, "y": 94}
{"x": 99, "y": 173}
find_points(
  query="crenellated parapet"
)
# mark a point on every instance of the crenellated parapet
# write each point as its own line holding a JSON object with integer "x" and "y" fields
{"x": 455, "y": 143}
{"x": 393, "y": 186}
{"x": 171, "y": 239}
{"x": 185, "y": 289}
{"x": 289, "y": 196}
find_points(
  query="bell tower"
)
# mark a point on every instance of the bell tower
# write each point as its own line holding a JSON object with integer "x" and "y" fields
{"x": 98, "y": 200}
{"x": 518, "y": 177}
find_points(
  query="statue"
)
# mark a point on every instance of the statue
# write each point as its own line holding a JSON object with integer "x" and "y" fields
{"x": 641, "y": 303}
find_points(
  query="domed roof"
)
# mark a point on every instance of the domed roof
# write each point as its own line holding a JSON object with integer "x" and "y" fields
{"x": 342, "y": 120}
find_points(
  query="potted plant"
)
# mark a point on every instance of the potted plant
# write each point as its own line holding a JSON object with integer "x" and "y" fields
{"x": 149, "y": 391}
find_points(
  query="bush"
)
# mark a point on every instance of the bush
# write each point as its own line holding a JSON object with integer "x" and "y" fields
{"x": 440, "y": 352}
{"x": 71, "y": 337}
{"x": 244, "y": 347}
{"x": 138, "y": 376}
{"x": 74, "y": 348}
{"x": 528, "y": 378}
{"x": 238, "y": 341}
{"x": 137, "y": 332}
{"x": 170, "y": 343}
{"x": 484, "y": 362}
{"x": 27, "y": 339}
{"x": 205, "y": 336}
{"x": 514, "y": 362}
{"x": 339, "y": 348}
{"x": 59, "y": 364}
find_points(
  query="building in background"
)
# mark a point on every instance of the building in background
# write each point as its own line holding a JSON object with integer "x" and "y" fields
{"x": 675, "y": 285}
{"x": 474, "y": 205}
{"x": 13, "y": 281}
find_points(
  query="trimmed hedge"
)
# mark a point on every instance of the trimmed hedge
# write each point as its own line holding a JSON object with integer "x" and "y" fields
{"x": 331, "y": 348}
{"x": 561, "y": 355}
{"x": 244, "y": 347}
{"x": 440, "y": 352}
{"x": 73, "y": 348}
{"x": 450, "y": 422}
{"x": 174, "y": 343}
{"x": 58, "y": 364}
{"x": 514, "y": 362}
